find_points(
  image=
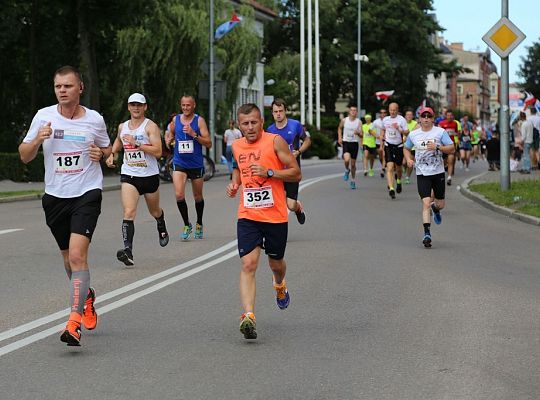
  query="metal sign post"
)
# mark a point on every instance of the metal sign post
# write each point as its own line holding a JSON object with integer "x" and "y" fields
{"x": 503, "y": 38}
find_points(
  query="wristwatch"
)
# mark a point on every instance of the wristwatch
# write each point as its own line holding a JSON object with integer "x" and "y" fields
{"x": 137, "y": 144}
{"x": 438, "y": 147}
{"x": 270, "y": 173}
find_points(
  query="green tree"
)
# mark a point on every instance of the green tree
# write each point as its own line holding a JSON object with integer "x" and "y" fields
{"x": 395, "y": 37}
{"x": 530, "y": 69}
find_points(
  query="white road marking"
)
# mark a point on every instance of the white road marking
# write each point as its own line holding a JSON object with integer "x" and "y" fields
{"x": 132, "y": 297}
{"x": 10, "y": 230}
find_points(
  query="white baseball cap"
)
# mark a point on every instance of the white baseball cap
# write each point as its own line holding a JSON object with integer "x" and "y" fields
{"x": 137, "y": 98}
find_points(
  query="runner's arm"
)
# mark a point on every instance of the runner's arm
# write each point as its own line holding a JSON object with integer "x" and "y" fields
{"x": 340, "y": 132}
{"x": 154, "y": 135}
{"x": 292, "y": 171}
{"x": 204, "y": 138}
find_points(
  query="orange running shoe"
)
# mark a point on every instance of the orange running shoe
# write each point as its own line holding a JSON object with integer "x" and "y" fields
{"x": 89, "y": 316}
{"x": 248, "y": 325}
{"x": 72, "y": 334}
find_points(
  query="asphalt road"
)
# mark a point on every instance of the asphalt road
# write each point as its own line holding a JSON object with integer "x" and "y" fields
{"x": 373, "y": 314}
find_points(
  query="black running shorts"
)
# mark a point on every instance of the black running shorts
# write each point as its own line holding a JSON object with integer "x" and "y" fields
{"x": 143, "y": 184}
{"x": 65, "y": 216}
{"x": 393, "y": 153}
{"x": 192, "y": 173}
{"x": 270, "y": 237}
{"x": 291, "y": 189}
{"x": 351, "y": 148}
{"x": 426, "y": 183}
{"x": 372, "y": 151}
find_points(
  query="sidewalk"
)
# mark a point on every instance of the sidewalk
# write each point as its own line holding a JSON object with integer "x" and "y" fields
{"x": 495, "y": 176}
{"x": 110, "y": 182}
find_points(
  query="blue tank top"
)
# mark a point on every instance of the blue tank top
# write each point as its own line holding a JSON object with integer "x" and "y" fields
{"x": 187, "y": 150}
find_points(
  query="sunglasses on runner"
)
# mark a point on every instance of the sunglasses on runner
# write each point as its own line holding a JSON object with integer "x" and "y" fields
{"x": 426, "y": 115}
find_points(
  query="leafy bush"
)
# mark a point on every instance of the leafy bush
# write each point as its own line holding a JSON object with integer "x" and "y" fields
{"x": 322, "y": 145}
{"x": 11, "y": 167}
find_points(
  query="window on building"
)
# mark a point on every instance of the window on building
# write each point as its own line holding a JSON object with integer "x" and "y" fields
{"x": 460, "y": 89}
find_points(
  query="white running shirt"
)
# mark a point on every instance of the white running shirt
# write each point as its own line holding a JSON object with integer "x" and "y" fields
{"x": 428, "y": 162}
{"x": 69, "y": 172}
{"x": 348, "y": 130}
{"x": 391, "y": 134}
{"x": 137, "y": 162}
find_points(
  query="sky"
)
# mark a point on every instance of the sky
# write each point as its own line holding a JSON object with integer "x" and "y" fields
{"x": 468, "y": 20}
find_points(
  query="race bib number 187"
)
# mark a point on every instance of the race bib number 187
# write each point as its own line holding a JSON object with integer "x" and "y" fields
{"x": 68, "y": 163}
{"x": 258, "y": 197}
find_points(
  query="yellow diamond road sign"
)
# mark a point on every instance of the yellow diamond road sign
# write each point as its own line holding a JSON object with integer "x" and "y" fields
{"x": 503, "y": 37}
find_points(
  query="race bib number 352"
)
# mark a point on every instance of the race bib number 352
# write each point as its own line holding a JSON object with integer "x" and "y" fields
{"x": 258, "y": 197}
{"x": 68, "y": 163}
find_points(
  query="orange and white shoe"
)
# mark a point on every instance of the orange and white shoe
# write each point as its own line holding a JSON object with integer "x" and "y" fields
{"x": 248, "y": 325}
{"x": 72, "y": 334}
{"x": 89, "y": 316}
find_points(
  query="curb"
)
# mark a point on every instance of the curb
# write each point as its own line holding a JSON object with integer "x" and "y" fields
{"x": 480, "y": 199}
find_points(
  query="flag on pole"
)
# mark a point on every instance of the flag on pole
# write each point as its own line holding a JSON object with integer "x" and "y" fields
{"x": 528, "y": 101}
{"x": 384, "y": 95}
{"x": 422, "y": 105}
{"x": 226, "y": 27}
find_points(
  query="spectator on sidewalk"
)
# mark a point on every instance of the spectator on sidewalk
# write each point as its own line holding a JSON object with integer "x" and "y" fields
{"x": 535, "y": 120}
{"x": 493, "y": 146}
{"x": 527, "y": 136}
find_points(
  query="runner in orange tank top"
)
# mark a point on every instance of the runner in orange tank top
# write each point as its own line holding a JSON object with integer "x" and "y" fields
{"x": 263, "y": 163}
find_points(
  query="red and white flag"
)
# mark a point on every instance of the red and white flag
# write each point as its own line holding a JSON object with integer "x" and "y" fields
{"x": 528, "y": 101}
{"x": 384, "y": 95}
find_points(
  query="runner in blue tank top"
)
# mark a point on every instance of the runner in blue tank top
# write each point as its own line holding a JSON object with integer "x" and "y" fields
{"x": 293, "y": 132}
{"x": 190, "y": 134}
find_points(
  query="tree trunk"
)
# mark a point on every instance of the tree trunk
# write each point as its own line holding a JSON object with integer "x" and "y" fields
{"x": 87, "y": 57}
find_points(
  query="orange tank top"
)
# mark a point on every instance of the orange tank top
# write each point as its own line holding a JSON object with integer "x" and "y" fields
{"x": 261, "y": 199}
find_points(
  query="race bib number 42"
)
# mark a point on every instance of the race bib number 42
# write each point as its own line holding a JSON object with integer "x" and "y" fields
{"x": 258, "y": 197}
{"x": 68, "y": 163}
{"x": 422, "y": 145}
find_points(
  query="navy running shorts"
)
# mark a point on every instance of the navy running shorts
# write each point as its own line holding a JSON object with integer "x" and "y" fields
{"x": 268, "y": 236}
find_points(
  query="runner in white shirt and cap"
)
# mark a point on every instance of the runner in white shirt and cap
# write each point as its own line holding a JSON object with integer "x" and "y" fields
{"x": 140, "y": 138}
{"x": 430, "y": 142}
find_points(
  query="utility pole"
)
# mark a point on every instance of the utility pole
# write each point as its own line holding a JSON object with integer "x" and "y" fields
{"x": 317, "y": 70}
{"x": 358, "y": 63}
{"x": 302, "y": 64}
{"x": 211, "y": 101}
{"x": 310, "y": 65}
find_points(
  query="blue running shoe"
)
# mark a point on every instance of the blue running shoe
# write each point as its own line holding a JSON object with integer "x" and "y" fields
{"x": 346, "y": 176}
{"x": 186, "y": 232}
{"x": 198, "y": 232}
{"x": 426, "y": 241}
{"x": 282, "y": 295}
{"x": 437, "y": 217}
{"x": 353, "y": 185}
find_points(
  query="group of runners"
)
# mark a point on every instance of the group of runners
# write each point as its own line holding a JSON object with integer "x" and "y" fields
{"x": 74, "y": 140}
{"x": 265, "y": 171}
{"x": 430, "y": 145}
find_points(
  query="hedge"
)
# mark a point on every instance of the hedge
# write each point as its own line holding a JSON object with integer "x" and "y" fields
{"x": 12, "y": 168}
